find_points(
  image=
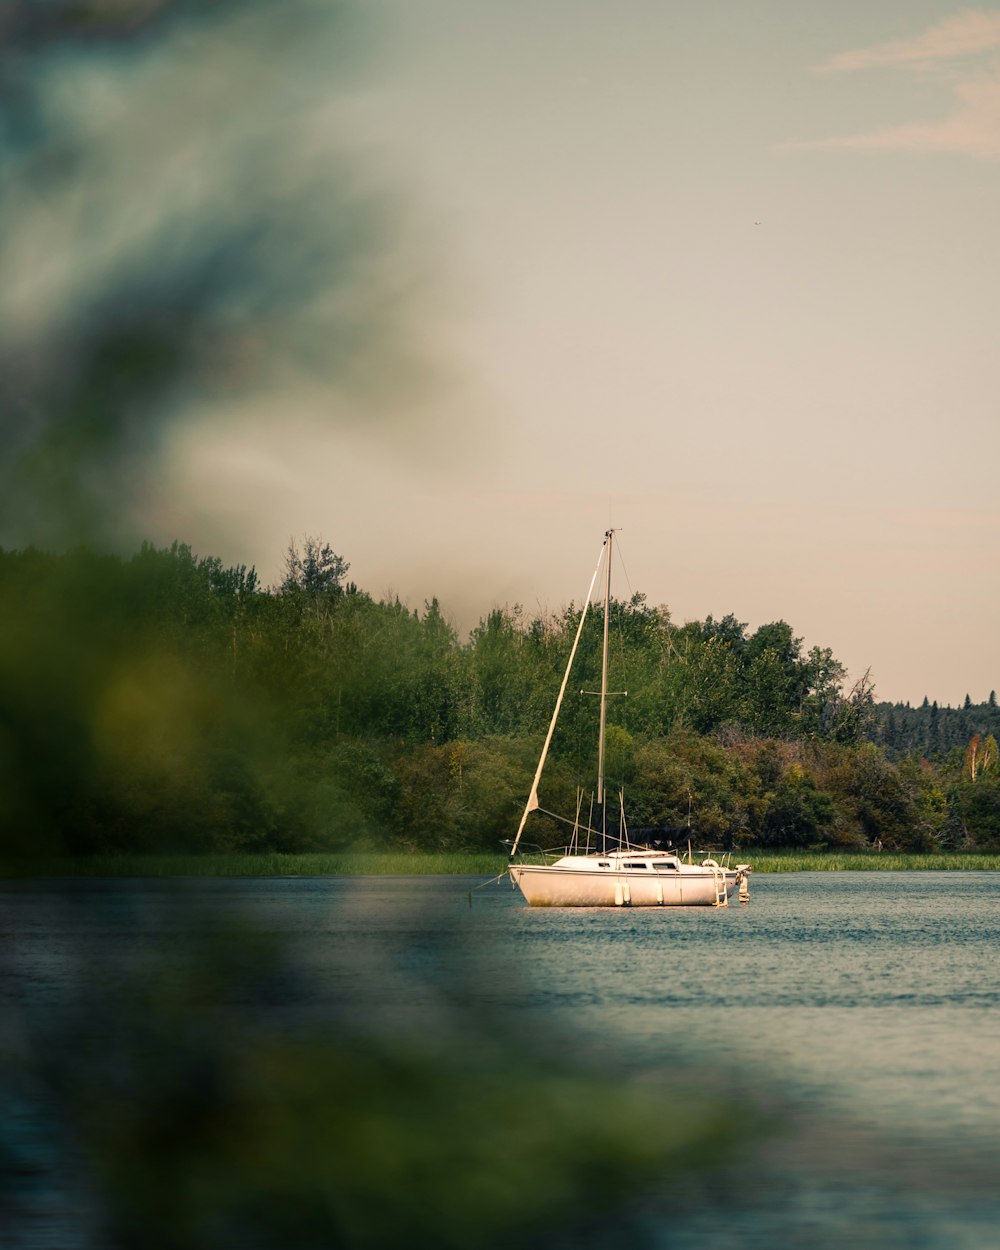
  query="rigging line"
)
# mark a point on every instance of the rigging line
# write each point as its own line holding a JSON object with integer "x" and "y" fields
{"x": 532, "y": 802}
{"x": 621, "y": 561}
{"x": 492, "y": 881}
{"x": 563, "y": 819}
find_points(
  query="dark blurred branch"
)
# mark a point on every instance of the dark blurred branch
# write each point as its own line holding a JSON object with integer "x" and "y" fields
{"x": 180, "y": 231}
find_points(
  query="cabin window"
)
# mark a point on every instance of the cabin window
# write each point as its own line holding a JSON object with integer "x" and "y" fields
{"x": 603, "y": 863}
{"x": 643, "y": 866}
{"x": 665, "y": 867}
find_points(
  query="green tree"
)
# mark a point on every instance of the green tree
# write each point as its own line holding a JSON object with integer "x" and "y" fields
{"x": 797, "y": 812}
{"x": 316, "y": 570}
{"x": 978, "y": 806}
{"x": 701, "y": 683}
{"x": 687, "y": 785}
{"x": 507, "y": 677}
{"x": 878, "y": 798}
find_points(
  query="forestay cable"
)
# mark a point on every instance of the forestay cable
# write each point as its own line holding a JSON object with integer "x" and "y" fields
{"x": 532, "y": 802}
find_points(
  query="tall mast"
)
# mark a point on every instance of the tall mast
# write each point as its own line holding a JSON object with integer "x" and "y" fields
{"x": 609, "y": 539}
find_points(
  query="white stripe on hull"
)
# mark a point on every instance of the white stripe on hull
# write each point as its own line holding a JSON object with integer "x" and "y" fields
{"x": 548, "y": 886}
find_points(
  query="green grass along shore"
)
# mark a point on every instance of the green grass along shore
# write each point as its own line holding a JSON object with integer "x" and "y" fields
{"x": 401, "y": 863}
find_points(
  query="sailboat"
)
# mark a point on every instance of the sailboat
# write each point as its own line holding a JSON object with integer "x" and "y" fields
{"x": 618, "y": 873}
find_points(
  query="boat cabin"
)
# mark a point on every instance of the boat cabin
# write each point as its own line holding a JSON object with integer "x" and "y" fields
{"x": 622, "y": 861}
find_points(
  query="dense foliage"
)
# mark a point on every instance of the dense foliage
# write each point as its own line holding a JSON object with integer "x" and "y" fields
{"x": 166, "y": 702}
{"x": 932, "y": 730}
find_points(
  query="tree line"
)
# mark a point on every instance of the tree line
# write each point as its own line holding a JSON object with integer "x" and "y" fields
{"x": 932, "y": 730}
{"x": 165, "y": 701}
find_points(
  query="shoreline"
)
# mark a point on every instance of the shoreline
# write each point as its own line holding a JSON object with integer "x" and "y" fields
{"x": 402, "y": 863}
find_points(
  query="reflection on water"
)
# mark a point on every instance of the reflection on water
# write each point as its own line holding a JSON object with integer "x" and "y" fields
{"x": 842, "y": 1023}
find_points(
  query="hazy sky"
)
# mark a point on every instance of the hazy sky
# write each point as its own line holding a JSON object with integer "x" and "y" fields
{"x": 724, "y": 275}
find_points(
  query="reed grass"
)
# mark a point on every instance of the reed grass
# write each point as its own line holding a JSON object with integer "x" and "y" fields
{"x": 868, "y": 861}
{"x": 271, "y": 864}
{"x": 418, "y": 863}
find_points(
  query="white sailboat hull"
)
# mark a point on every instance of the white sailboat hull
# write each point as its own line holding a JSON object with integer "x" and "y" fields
{"x": 558, "y": 885}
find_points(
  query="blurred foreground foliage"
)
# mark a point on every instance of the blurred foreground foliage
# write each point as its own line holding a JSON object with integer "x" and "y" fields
{"x": 168, "y": 703}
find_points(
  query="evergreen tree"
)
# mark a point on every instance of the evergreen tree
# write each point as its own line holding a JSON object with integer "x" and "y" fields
{"x": 318, "y": 570}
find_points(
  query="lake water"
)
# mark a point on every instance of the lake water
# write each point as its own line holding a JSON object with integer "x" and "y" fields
{"x": 866, "y": 1006}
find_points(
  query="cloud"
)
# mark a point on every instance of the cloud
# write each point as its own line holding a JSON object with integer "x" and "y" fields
{"x": 971, "y": 129}
{"x": 965, "y": 48}
{"x": 969, "y": 33}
